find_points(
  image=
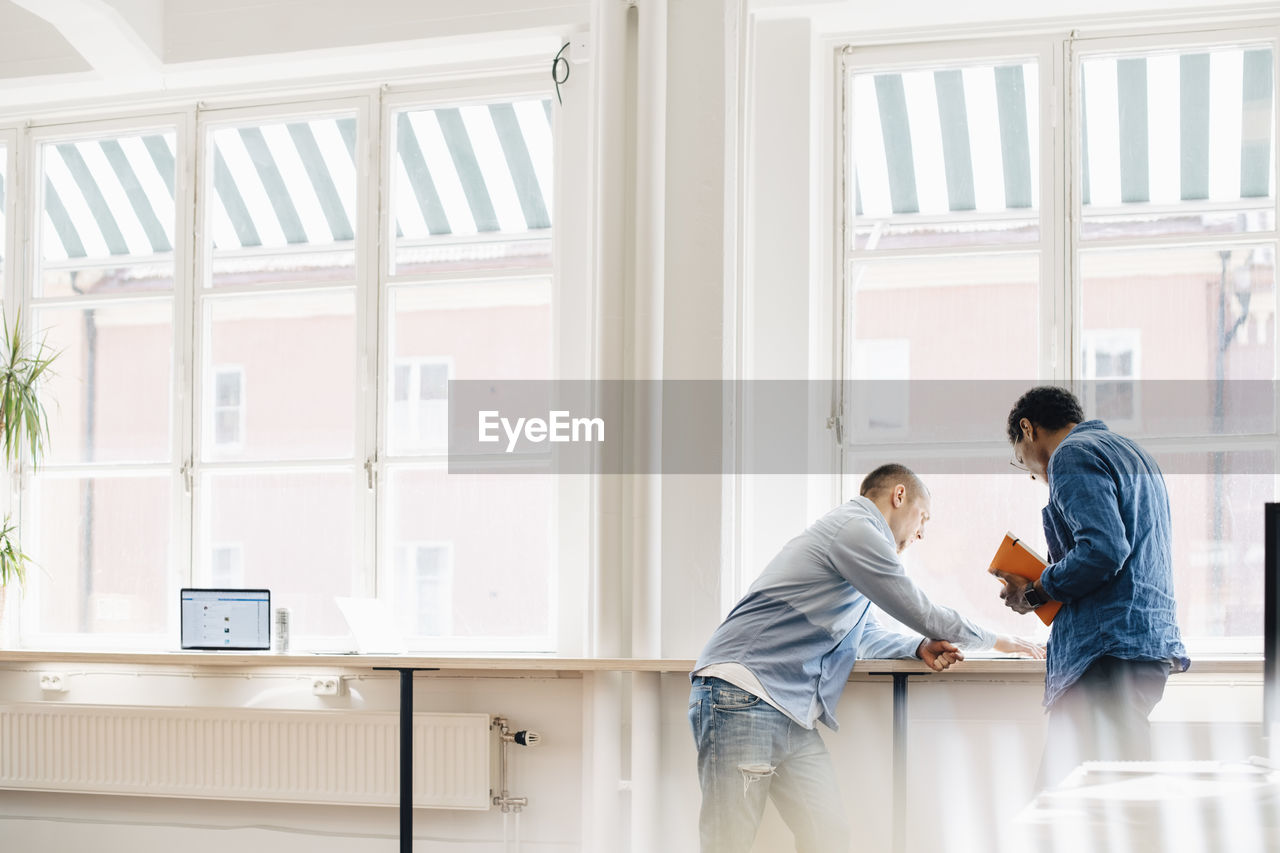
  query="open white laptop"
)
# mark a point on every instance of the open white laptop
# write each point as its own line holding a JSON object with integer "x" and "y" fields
{"x": 373, "y": 625}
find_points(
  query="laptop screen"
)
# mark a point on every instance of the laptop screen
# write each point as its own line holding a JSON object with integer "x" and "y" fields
{"x": 226, "y": 619}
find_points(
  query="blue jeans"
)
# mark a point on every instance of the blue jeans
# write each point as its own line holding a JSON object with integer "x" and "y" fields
{"x": 749, "y": 751}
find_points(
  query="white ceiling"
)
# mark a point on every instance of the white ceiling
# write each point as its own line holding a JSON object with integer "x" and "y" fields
{"x": 72, "y": 51}
{"x": 30, "y": 46}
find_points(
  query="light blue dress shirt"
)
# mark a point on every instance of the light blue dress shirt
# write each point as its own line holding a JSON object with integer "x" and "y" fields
{"x": 806, "y": 619}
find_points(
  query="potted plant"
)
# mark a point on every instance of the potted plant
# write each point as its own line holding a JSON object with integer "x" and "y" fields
{"x": 23, "y": 423}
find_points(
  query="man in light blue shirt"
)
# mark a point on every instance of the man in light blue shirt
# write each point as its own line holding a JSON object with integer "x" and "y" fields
{"x": 778, "y": 663}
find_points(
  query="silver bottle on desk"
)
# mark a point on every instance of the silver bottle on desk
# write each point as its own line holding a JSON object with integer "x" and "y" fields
{"x": 282, "y": 630}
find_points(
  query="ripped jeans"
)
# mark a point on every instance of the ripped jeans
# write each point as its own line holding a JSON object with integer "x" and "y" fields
{"x": 749, "y": 751}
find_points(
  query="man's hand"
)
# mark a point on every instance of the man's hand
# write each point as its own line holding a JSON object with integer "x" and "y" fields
{"x": 1010, "y": 645}
{"x": 1013, "y": 591}
{"x": 938, "y": 654}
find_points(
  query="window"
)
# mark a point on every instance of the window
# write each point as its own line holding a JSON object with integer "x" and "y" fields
{"x": 1111, "y": 359}
{"x": 468, "y": 295}
{"x": 419, "y": 404}
{"x": 228, "y": 407}
{"x": 1147, "y": 280}
{"x": 102, "y": 292}
{"x": 1177, "y": 245}
{"x": 226, "y": 567}
{"x": 881, "y": 406}
{"x": 424, "y": 573}
{"x": 186, "y": 260}
{"x": 277, "y": 282}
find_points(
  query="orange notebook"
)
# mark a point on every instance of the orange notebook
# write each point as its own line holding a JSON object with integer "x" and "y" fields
{"x": 1013, "y": 556}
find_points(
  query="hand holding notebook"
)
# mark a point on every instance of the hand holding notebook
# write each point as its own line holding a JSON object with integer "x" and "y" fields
{"x": 1013, "y": 557}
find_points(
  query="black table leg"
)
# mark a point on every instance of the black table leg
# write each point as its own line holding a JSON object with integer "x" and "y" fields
{"x": 406, "y": 761}
{"x": 899, "y": 758}
{"x": 900, "y": 762}
{"x": 406, "y": 752}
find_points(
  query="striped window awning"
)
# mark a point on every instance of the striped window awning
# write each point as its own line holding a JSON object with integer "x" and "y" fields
{"x": 105, "y": 198}
{"x": 1161, "y": 128}
{"x": 470, "y": 170}
{"x": 1177, "y": 127}
{"x": 456, "y": 171}
{"x": 958, "y": 139}
{"x": 283, "y": 184}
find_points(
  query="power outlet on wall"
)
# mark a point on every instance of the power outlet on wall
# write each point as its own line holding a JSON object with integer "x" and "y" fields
{"x": 326, "y": 685}
{"x": 53, "y": 682}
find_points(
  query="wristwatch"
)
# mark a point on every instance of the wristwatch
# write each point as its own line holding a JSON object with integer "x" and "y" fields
{"x": 1034, "y": 597}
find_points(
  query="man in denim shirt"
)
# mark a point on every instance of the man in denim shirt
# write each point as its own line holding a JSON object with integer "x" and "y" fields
{"x": 1107, "y": 525}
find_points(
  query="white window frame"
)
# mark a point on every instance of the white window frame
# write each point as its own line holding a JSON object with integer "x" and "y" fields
{"x": 1061, "y": 330}
{"x": 10, "y": 275}
{"x": 363, "y": 107}
{"x": 32, "y": 193}
{"x": 575, "y": 354}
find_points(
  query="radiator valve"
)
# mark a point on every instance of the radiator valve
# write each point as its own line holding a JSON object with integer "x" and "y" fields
{"x": 504, "y": 800}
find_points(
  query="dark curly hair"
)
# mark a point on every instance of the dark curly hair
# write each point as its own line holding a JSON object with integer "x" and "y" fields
{"x": 1047, "y": 406}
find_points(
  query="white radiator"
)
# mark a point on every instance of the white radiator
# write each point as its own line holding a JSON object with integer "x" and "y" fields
{"x": 244, "y": 754}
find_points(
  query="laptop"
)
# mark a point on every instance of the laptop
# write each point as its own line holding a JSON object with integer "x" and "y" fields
{"x": 372, "y": 626}
{"x": 226, "y": 619}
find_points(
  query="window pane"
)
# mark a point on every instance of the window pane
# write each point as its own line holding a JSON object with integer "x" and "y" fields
{"x": 946, "y": 156}
{"x": 472, "y": 330}
{"x": 109, "y": 397}
{"x": 1217, "y": 531}
{"x": 970, "y": 515}
{"x": 274, "y": 519}
{"x": 424, "y": 573}
{"x": 108, "y": 217}
{"x": 281, "y": 201}
{"x": 1218, "y": 554}
{"x": 227, "y": 387}
{"x": 1200, "y": 313}
{"x": 401, "y": 374}
{"x": 435, "y": 382}
{"x": 920, "y": 318}
{"x": 1177, "y": 142}
{"x": 498, "y": 530}
{"x": 100, "y": 569}
{"x": 1217, "y": 535}
{"x": 226, "y": 567}
{"x": 296, "y": 354}
{"x": 472, "y": 186}
{"x": 226, "y": 427}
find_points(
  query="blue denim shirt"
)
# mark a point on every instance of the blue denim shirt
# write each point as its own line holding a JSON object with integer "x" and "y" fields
{"x": 1110, "y": 560}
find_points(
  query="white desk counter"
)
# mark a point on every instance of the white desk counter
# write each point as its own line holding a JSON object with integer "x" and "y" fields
{"x": 975, "y": 666}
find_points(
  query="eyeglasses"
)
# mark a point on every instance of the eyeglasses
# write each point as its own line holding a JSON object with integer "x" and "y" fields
{"x": 1016, "y": 462}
